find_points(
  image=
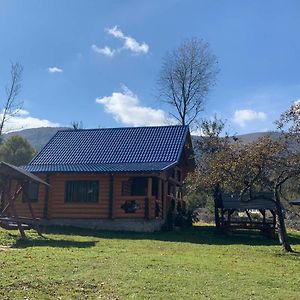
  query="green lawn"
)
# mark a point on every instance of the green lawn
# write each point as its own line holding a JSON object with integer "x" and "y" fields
{"x": 195, "y": 263}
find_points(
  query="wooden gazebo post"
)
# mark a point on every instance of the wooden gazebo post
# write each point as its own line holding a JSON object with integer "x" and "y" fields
{"x": 26, "y": 198}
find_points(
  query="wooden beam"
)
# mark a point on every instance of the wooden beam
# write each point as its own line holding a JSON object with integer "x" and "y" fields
{"x": 222, "y": 217}
{"x": 159, "y": 193}
{"x": 164, "y": 197}
{"x": 160, "y": 196}
{"x": 249, "y": 216}
{"x": 149, "y": 188}
{"x": 146, "y": 208}
{"x": 46, "y": 199}
{"x": 151, "y": 211}
{"x": 176, "y": 182}
{"x": 12, "y": 207}
{"x": 111, "y": 197}
{"x": 274, "y": 217}
{"x": 35, "y": 223}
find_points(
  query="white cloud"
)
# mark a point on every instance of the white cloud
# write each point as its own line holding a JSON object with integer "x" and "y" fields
{"x": 23, "y": 120}
{"x": 197, "y": 132}
{"x": 241, "y": 117}
{"x": 126, "y": 108}
{"x": 23, "y": 112}
{"x": 105, "y": 51}
{"x": 296, "y": 102}
{"x": 129, "y": 43}
{"x": 55, "y": 70}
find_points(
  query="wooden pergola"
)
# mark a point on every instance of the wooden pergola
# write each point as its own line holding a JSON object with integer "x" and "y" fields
{"x": 261, "y": 202}
{"x": 13, "y": 182}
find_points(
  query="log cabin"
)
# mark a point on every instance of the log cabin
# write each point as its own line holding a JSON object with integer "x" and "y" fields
{"x": 111, "y": 178}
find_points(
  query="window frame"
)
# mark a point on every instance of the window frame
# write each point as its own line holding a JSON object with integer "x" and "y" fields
{"x": 130, "y": 183}
{"x": 95, "y": 198}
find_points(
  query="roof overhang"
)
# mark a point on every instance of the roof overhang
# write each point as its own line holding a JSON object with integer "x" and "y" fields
{"x": 101, "y": 168}
{"x": 8, "y": 171}
{"x": 295, "y": 202}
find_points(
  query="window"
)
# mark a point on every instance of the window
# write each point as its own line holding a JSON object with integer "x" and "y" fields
{"x": 82, "y": 191}
{"x": 32, "y": 192}
{"x": 135, "y": 186}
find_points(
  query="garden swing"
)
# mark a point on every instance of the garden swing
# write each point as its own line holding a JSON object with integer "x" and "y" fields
{"x": 15, "y": 181}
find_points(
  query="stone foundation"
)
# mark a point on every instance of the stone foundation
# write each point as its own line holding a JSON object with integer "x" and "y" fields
{"x": 113, "y": 225}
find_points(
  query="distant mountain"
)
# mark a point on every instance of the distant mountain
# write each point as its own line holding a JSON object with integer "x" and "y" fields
{"x": 37, "y": 137}
{"x": 244, "y": 138}
{"x": 251, "y": 137}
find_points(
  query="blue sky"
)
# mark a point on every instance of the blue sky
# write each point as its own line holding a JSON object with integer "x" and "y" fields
{"x": 98, "y": 61}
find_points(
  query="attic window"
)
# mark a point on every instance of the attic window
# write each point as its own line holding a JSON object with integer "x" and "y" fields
{"x": 81, "y": 191}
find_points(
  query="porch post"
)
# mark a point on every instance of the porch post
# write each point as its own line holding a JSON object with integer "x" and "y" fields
{"x": 46, "y": 199}
{"x": 111, "y": 197}
{"x": 165, "y": 199}
{"x": 159, "y": 196}
{"x": 149, "y": 196}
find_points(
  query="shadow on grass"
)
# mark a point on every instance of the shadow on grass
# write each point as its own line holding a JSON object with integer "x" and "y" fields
{"x": 46, "y": 242}
{"x": 197, "y": 235}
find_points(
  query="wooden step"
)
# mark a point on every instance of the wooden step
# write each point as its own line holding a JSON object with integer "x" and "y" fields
{"x": 13, "y": 226}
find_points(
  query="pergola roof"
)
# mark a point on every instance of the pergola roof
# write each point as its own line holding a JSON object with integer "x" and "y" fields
{"x": 262, "y": 200}
{"x": 295, "y": 202}
{"x": 8, "y": 171}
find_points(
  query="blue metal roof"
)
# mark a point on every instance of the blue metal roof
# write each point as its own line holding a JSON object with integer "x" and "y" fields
{"x": 133, "y": 149}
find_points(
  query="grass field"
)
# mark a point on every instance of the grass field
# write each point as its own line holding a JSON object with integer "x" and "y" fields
{"x": 195, "y": 263}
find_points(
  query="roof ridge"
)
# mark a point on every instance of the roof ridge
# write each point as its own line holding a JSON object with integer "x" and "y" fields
{"x": 127, "y": 127}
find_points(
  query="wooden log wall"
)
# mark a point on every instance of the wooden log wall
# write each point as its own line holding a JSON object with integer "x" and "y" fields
{"x": 56, "y": 207}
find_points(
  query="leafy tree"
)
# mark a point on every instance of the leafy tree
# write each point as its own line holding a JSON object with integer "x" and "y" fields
{"x": 11, "y": 106}
{"x": 290, "y": 119}
{"x": 16, "y": 150}
{"x": 208, "y": 146}
{"x": 186, "y": 77}
{"x": 263, "y": 165}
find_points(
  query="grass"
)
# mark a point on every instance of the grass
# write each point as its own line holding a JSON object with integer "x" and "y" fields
{"x": 195, "y": 263}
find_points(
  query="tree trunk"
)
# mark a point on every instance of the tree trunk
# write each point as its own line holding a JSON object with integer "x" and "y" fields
{"x": 282, "y": 233}
{"x": 216, "y": 202}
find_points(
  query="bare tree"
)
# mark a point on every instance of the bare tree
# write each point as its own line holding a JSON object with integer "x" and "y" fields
{"x": 76, "y": 125}
{"x": 11, "y": 105}
{"x": 187, "y": 75}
